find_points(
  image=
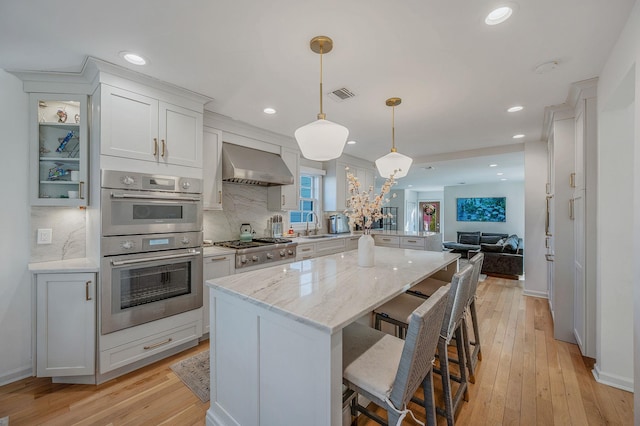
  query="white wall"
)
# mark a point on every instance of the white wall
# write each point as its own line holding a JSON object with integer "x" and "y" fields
{"x": 514, "y": 191}
{"x": 15, "y": 282}
{"x": 535, "y": 167}
{"x": 618, "y": 279}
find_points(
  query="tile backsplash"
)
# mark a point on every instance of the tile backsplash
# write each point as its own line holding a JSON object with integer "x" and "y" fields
{"x": 69, "y": 233}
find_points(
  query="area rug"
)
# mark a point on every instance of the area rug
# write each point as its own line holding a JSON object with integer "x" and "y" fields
{"x": 194, "y": 372}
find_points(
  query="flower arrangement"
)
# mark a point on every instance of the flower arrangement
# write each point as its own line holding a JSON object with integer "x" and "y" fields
{"x": 365, "y": 207}
{"x": 429, "y": 209}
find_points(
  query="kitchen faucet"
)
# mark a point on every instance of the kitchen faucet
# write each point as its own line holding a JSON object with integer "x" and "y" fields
{"x": 315, "y": 230}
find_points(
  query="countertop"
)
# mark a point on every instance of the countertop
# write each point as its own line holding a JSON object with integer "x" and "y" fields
{"x": 405, "y": 233}
{"x": 329, "y": 292}
{"x": 69, "y": 265}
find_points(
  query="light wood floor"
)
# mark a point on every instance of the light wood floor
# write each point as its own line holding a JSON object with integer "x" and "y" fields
{"x": 526, "y": 377}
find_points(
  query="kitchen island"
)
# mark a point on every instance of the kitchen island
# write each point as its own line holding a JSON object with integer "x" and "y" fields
{"x": 276, "y": 333}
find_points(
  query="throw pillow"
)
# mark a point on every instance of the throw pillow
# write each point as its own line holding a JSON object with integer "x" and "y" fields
{"x": 473, "y": 237}
{"x": 492, "y": 248}
{"x": 511, "y": 245}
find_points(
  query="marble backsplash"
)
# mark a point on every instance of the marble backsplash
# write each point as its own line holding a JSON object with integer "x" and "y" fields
{"x": 69, "y": 233}
{"x": 240, "y": 204}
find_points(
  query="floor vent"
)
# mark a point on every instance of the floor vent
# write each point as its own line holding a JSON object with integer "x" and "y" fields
{"x": 341, "y": 94}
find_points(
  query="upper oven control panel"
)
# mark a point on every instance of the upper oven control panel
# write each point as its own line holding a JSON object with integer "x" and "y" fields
{"x": 124, "y": 244}
{"x": 148, "y": 182}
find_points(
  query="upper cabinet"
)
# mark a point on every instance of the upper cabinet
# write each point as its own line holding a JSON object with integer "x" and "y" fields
{"x": 212, "y": 169}
{"x": 141, "y": 127}
{"x": 59, "y": 149}
{"x": 336, "y": 185}
{"x": 285, "y": 197}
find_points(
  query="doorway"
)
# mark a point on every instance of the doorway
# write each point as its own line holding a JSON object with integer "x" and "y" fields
{"x": 430, "y": 216}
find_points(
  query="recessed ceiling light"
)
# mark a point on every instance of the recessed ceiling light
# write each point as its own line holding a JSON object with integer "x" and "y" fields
{"x": 493, "y": 165}
{"x": 351, "y": 142}
{"x": 500, "y": 174}
{"x": 133, "y": 58}
{"x": 269, "y": 111}
{"x": 462, "y": 183}
{"x": 546, "y": 67}
{"x": 515, "y": 108}
{"x": 519, "y": 136}
{"x": 503, "y": 179}
{"x": 498, "y": 16}
{"x": 428, "y": 168}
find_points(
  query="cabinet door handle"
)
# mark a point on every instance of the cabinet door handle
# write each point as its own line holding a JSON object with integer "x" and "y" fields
{"x": 571, "y": 213}
{"x": 86, "y": 290}
{"x": 572, "y": 180}
{"x": 216, "y": 259}
{"x": 155, "y": 147}
{"x": 164, "y": 147}
{"x": 155, "y": 345}
{"x": 219, "y": 197}
{"x": 283, "y": 203}
{"x": 80, "y": 185}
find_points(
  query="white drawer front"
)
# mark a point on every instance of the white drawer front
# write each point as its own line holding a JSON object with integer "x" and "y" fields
{"x": 387, "y": 241}
{"x": 415, "y": 243}
{"x": 324, "y": 248}
{"x": 120, "y": 356}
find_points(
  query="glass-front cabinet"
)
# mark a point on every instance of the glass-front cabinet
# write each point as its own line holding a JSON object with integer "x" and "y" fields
{"x": 59, "y": 146}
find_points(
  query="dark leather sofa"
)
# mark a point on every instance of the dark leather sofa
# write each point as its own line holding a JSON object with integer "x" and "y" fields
{"x": 503, "y": 253}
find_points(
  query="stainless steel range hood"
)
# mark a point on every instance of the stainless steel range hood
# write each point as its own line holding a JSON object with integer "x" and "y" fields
{"x": 251, "y": 166}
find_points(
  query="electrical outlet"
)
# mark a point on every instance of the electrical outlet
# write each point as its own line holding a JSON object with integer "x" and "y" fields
{"x": 45, "y": 236}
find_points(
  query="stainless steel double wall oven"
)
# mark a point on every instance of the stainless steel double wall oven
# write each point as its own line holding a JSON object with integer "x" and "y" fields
{"x": 151, "y": 243}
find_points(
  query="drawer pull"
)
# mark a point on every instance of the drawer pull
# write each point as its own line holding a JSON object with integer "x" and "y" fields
{"x": 306, "y": 257}
{"x": 216, "y": 259}
{"x": 155, "y": 345}
{"x": 411, "y": 241}
{"x": 386, "y": 239}
{"x": 306, "y": 249}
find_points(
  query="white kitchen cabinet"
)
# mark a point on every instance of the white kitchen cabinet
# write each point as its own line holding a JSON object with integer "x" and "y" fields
{"x": 336, "y": 185}
{"x": 212, "y": 169}
{"x": 415, "y": 243}
{"x": 285, "y": 197}
{"x": 305, "y": 251}
{"x": 141, "y": 127}
{"x": 387, "y": 240}
{"x": 65, "y": 324}
{"x": 59, "y": 148}
{"x": 214, "y": 267}
{"x": 351, "y": 243}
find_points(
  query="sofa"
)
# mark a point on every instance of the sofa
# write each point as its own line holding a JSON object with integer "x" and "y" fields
{"x": 503, "y": 253}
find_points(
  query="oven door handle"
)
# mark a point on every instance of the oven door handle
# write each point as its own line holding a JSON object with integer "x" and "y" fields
{"x": 153, "y": 197}
{"x": 151, "y": 259}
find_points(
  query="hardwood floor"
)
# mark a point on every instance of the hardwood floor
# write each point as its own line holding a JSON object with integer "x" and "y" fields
{"x": 526, "y": 377}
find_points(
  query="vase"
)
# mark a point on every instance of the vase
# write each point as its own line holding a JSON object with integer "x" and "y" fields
{"x": 366, "y": 250}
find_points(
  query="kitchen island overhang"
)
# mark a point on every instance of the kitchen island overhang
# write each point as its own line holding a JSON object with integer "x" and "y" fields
{"x": 276, "y": 333}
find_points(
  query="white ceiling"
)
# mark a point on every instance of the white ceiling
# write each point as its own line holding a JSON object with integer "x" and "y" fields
{"x": 456, "y": 76}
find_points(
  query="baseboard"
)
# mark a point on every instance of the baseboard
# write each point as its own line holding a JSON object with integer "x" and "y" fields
{"x": 613, "y": 380}
{"x": 15, "y": 375}
{"x": 536, "y": 293}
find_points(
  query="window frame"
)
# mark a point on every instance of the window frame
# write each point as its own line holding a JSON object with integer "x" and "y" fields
{"x": 316, "y": 176}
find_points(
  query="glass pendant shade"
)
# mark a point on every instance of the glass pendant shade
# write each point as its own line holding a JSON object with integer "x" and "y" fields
{"x": 393, "y": 162}
{"x": 321, "y": 140}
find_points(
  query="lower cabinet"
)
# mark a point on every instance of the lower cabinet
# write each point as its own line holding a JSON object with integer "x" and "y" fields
{"x": 320, "y": 248}
{"x": 214, "y": 267}
{"x": 65, "y": 324}
{"x": 351, "y": 243}
{"x": 387, "y": 240}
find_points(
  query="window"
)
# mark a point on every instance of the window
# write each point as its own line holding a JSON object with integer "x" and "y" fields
{"x": 308, "y": 202}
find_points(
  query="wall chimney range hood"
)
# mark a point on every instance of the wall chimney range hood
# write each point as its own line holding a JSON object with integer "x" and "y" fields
{"x": 253, "y": 167}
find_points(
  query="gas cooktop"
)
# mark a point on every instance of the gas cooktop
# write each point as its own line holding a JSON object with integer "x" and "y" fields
{"x": 256, "y": 242}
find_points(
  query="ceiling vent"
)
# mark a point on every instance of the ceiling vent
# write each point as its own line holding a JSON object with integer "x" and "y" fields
{"x": 341, "y": 94}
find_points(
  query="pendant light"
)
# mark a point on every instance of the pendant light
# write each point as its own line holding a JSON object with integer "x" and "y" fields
{"x": 322, "y": 139}
{"x": 393, "y": 161}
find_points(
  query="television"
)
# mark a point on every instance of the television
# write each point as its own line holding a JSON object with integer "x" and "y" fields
{"x": 481, "y": 209}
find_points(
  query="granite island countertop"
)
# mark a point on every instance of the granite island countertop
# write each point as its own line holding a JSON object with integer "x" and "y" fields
{"x": 332, "y": 291}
